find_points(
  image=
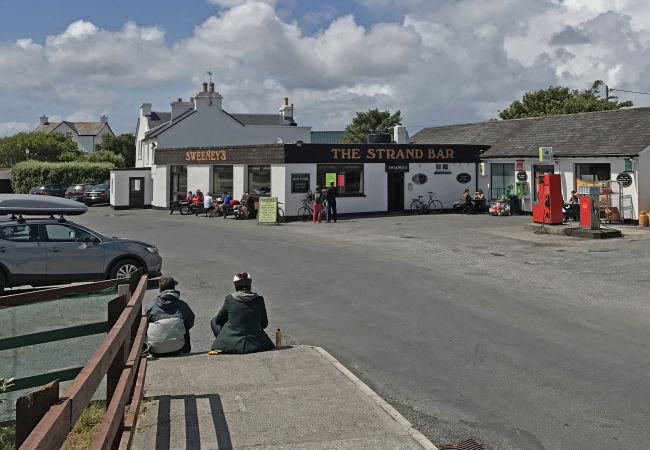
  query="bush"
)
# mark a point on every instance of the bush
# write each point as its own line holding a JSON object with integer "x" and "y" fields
{"x": 103, "y": 156}
{"x": 28, "y": 174}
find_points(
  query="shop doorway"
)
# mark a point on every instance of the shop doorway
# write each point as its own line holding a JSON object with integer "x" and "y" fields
{"x": 540, "y": 170}
{"x": 136, "y": 192}
{"x": 395, "y": 191}
{"x": 177, "y": 183}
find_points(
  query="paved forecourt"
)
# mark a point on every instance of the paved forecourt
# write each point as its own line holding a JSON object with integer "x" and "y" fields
{"x": 296, "y": 398}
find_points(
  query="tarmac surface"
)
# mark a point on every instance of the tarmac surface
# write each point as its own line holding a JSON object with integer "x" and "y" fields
{"x": 295, "y": 398}
{"x": 468, "y": 325}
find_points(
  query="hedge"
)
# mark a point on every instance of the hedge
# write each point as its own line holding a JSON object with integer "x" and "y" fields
{"x": 27, "y": 174}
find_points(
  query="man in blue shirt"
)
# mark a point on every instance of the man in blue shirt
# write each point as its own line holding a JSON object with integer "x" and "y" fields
{"x": 226, "y": 198}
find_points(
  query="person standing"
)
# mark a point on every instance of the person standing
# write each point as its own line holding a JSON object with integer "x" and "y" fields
{"x": 239, "y": 325}
{"x": 330, "y": 195}
{"x": 318, "y": 204}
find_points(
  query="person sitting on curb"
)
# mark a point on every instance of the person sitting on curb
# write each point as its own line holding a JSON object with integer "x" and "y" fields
{"x": 239, "y": 325}
{"x": 170, "y": 320}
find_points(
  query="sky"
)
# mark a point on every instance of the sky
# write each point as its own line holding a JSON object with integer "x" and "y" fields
{"x": 437, "y": 61}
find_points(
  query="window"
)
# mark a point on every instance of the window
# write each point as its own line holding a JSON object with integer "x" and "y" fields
{"x": 593, "y": 171}
{"x": 139, "y": 153}
{"x": 19, "y": 233}
{"x": 222, "y": 179}
{"x": 348, "y": 178}
{"x": 259, "y": 180}
{"x": 503, "y": 179}
{"x": 64, "y": 233}
{"x": 178, "y": 182}
{"x": 442, "y": 168}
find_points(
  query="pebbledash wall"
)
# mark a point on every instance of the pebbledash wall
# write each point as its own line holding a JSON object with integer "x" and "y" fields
{"x": 371, "y": 177}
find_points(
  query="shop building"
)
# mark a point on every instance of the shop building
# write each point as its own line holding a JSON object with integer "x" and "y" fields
{"x": 371, "y": 178}
{"x": 586, "y": 147}
{"x": 201, "y": 123}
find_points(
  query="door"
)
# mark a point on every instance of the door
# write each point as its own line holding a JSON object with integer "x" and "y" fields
{"x": 395, "y": 191}
{"x": 22, "y": 253}
{"x": 72, "y": 255}
{"x": 136, "y": 192}
{"x": 539, "y": 170}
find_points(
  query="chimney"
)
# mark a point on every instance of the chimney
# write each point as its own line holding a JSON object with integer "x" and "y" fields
{"x": 103, "y": 119}
{"x": 400, "y": 135}
{"x": 205, "y": 87}
{"x": 211, "y": 87}
{"x": 145, "y": 109}
{"x": 207, "y": 99}
{"x": 287, "y": 110}
{"x": 179, "y": 107}
{"x": 44, "y": 120}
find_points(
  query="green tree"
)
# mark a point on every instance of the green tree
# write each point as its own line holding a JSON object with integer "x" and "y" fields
{"x": 124, "y": 145}
{"x": 372, "y": 121}
{"x": 102, "y": 156}
{"x": 558, "y": 100}
{"x": 41, "y": 147}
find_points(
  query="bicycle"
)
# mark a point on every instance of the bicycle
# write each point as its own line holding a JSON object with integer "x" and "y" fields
{"x": 433, "y": 205}
{"x": 305, "y": 212}
{"x": 417, "y": 206}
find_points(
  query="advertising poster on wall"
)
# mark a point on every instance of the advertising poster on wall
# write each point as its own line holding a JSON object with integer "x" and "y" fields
{"x": 330, "y": 177}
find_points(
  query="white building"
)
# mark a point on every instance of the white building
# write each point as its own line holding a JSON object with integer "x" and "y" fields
{"x": 202, "y": 123}
{"x": 595, "y": 147}
{"x": 87, "y": 135}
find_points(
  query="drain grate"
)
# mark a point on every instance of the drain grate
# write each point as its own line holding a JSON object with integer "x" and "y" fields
{"x": 409, "y": 237}
{"x": 467, "y": 444}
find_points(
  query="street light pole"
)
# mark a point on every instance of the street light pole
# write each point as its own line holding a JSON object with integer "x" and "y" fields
{"x": 27, "y": 153}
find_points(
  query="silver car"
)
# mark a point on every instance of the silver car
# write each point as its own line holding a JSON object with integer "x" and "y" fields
{"x": 55, "y": 251}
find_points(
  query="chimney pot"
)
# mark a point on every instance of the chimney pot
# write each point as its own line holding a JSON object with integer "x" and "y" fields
{"x": 205, "y": 87}
{"x": 211, "y": 87}
{"x": 180, "y": 99}
{"x": 103, "y": 119}
{"x": 44, "y": 120}
{"x": 286, "y": 101}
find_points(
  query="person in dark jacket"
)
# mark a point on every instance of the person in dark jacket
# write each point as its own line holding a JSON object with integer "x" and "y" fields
{"x": 170, "y": 320}
{"x": 239, "y": 325}
{"x": 330, "y": 196}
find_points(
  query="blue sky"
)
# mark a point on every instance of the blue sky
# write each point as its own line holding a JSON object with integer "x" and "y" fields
{"x": 438, "y": 61}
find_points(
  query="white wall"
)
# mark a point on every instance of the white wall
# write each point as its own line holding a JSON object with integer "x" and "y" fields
{"x": 160, "y": 175}
{"x": 239, "y": 180}
{"x": 375, "y": 189}
{"x": 199, "y": 177}
{"x": 278, "y": 185}
{"x": 119, "y": 179}
{"x": 293, "y": 201}
{"x": 444, "y": 186}
{"x": 643, "y": 179}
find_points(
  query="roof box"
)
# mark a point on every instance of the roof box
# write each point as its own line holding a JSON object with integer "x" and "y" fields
{"x": 36, "y": 205}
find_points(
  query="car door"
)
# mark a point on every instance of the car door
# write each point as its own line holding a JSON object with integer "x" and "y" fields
{"x": 72, "y": 255}
{"x": 22, "y": 253}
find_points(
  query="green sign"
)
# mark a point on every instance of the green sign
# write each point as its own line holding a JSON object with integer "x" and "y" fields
{"x": 545, "y": 153}
{"x": 268, "y": 210}
{"x": 628, "y": 165}
{"x": 330, "y": 178}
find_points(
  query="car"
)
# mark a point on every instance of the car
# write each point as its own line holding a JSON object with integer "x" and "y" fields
{"x": 98, "y": 194}
{"x": 55, "y": 190}
{"x": 50, "y": 250}
{"x": 76, "y": 191}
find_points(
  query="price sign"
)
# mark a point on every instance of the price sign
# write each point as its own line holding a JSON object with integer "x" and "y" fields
{"x": 268, "y": 210}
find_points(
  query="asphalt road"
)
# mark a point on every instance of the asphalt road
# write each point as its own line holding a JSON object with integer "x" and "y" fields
{"x": 468, "y": 325}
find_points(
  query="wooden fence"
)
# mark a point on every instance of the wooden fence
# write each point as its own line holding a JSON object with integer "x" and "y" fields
{"x": 44, "y": 419}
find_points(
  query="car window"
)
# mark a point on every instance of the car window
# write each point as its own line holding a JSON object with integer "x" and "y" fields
{"x": 57, "y": 232}
{"x": 19, "y": 233}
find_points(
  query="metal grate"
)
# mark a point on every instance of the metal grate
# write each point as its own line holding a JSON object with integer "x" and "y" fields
{"x": 467, "y": 444}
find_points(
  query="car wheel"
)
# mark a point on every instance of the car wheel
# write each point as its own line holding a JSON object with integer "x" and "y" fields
{"x": 124, "y": 268}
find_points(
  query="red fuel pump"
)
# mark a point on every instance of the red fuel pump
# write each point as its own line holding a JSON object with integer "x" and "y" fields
{"x": 548, "y": 208}
{"x": 590, "y": 208}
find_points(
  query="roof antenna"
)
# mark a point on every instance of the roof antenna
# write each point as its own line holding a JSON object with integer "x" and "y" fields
{"x": 209, "y": 72}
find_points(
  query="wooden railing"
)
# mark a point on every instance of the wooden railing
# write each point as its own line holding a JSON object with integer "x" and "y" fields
{"x": 44, "y": 419}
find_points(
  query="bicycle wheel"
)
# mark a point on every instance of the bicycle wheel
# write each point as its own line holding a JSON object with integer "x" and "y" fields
{"x": 435, "y": 207}
{"x": 280, "y": 218}
{"x": 417, "y": 207}
{"x": 304, "y": 213}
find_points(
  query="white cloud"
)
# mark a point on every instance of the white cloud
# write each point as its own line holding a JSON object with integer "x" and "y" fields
{"x": 444, "y": 62}
{"x": 9, "y": 128}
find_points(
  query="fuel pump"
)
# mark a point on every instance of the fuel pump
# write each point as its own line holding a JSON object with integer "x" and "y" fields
{"x": 590, "y": 207}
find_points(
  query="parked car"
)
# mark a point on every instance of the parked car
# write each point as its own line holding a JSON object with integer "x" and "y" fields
{"x": 44, "y": 251}
{"x": 76, "y": 192}
{"x": 98, "y": 194}
{"x": 55, "y": 190}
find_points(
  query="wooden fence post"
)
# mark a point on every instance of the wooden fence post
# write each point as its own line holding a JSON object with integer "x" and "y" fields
{"x": 115, "y": 308}
{"x": 31, "y": 407}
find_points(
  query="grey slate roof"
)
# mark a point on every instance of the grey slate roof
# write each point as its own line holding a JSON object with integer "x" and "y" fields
{"x": 326, "y": 137}
{"x": 158, "y": 118}
{"x": 261, "y": 119}
{"x": 81, "y": 128}
{"x": 168, "y": 124}
{"x": 623, "y": 132}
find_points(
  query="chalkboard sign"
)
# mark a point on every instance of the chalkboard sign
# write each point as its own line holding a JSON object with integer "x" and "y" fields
{"x": 299, "y": 183}
{"x": 463, "y": 178}
{"x": 624, "y": 179}
{"x": 522, "y": 176}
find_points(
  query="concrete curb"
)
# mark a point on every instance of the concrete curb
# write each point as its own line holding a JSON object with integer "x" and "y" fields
{"x": 363, "y": 387}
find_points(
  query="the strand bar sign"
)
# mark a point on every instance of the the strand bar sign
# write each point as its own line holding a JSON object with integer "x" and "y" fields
{"x": 391, "y": 153}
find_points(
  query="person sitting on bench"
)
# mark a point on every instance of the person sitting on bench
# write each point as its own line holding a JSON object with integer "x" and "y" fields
{"x": 239, "y": 325}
